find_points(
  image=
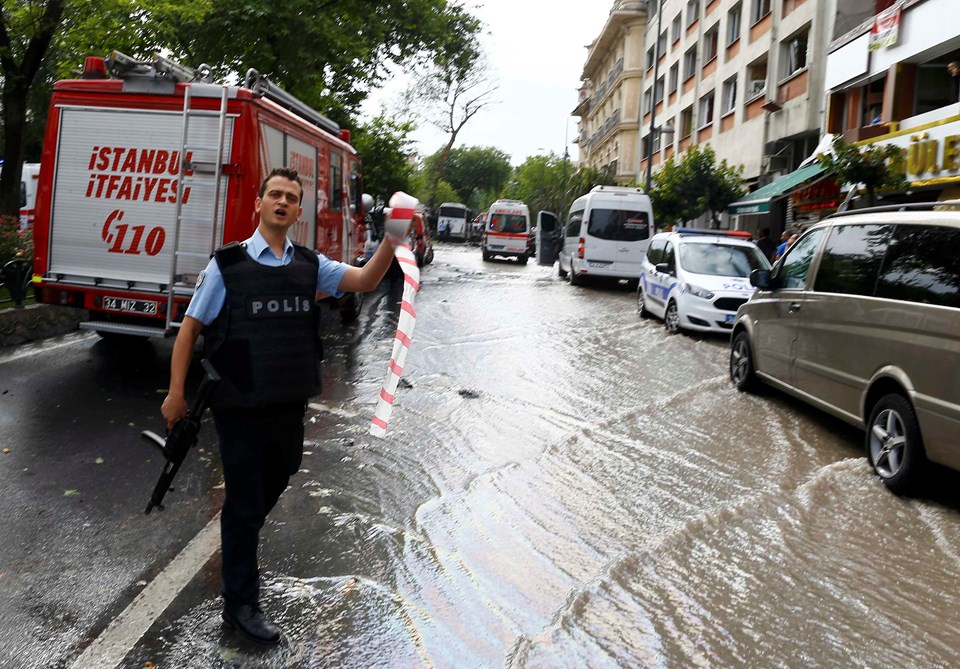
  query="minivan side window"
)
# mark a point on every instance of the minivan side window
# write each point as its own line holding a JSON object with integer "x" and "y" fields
{"x": 851, "y": 259}
{"x": 922, "y": 266}
{"x": 573, "y": 223}
{"x": 655, "y": 251}
{"x": 796, "y": 263}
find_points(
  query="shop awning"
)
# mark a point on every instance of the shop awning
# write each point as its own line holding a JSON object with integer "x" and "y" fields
{"x": 758, "y": 202}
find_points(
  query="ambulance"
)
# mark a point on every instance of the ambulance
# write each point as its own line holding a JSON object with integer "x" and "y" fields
{"x": 148, "y": 171}
{"x": 507, "y": 231}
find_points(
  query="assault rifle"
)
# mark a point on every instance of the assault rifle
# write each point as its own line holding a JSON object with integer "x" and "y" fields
{"x": 182, "y": 437}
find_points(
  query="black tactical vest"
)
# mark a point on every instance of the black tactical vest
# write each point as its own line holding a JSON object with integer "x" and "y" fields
{"x": 265, "y": 342}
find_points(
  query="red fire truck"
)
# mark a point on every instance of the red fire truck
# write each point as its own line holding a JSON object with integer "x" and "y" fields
{"x": 146, "y": 172}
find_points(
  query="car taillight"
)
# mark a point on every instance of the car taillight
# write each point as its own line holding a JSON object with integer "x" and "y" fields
{"x": 580, "y": 249}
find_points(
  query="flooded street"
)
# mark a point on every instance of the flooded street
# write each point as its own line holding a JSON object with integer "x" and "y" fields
{"x": 566, "y": 485}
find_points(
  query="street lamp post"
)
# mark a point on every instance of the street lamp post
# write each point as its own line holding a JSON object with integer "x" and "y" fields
{"x": 653, "y": 97}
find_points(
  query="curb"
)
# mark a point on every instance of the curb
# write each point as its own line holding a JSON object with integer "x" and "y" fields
{"x": 37, "y": 321}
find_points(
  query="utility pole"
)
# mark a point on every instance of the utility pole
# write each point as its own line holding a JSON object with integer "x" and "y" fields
{"x": 653, "y": 98}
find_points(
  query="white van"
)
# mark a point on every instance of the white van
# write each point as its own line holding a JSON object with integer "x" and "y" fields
{"x": 507, "y": 231}
{"x": 606, "y": 235}
{"x": 29, "y": 176}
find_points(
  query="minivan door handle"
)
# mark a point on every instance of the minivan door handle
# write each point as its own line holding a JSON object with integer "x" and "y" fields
{"x": 794, "y": 307}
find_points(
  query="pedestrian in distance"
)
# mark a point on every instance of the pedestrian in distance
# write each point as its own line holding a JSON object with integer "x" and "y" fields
{"x": 766, "y": 245}
{"x": 953, "y": 68}
{"x": 784, "y": 238}
{"x": 255, "y": 303}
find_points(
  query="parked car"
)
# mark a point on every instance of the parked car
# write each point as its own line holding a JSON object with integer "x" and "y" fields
{"x": 606, "y": 234}
{"x": 697, "y": 279}
{"x": 861, "y": 318}
{"x": 420, "y": 241}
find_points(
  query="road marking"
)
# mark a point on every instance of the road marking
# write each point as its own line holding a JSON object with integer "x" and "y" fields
{"x": 37, "y": 349}
{"x": 108, "y": 650}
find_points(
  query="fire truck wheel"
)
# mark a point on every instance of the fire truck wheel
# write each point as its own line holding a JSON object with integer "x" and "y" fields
{"x": 351, "y": 307}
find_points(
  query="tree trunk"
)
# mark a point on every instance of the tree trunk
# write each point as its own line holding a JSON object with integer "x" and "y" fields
{"x": 14, "y": 120}
{"x": 441, "y": 163}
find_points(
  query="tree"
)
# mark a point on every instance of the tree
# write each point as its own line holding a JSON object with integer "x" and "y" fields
{"x": 547, "y": 183}
{"x": 473, "y": 170}
{"x": 328, "y": 53}
{"x": 26, "y": 30}
{"x": 384, "y": 145}
{"x": 876, "y": 167}
{"x": 455, "y": 88}
{"x": 686, "y": 189}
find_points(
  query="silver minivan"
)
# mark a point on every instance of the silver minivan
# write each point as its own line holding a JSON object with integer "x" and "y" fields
{"x": 861, "y": 318}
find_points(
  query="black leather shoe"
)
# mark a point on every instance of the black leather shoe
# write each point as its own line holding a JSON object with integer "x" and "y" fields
{"x": 251, "y": 624}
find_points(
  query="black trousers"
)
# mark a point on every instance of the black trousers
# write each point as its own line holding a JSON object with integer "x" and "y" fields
{"x": 261, "y": 449}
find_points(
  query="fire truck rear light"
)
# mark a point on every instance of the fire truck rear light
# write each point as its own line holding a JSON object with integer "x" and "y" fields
{"x": 345, "y": 135}
{"x": 94, "y": 68}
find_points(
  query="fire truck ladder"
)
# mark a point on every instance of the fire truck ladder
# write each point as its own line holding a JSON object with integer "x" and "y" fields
{"x": 207, "y": 175}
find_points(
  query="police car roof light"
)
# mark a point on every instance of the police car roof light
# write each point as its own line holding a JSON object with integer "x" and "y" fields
{"x": 726, "y": 233}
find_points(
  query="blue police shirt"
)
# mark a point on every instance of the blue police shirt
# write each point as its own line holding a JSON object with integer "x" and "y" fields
{"x": 210, "y": 294}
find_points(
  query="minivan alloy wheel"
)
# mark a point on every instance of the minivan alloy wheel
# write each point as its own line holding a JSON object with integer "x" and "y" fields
{"x": 741, "y": 363}
{"x": 894, "y": 446}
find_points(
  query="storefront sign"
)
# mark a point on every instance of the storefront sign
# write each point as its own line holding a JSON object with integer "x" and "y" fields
{"x": 825, "y": 194}
{"x": 886, "y": 28}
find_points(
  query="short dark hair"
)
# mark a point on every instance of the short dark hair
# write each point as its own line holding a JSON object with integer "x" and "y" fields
{"x": 284, "y": 172}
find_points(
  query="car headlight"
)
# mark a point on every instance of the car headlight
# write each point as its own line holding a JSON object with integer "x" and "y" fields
{"x": 699, "y": 292}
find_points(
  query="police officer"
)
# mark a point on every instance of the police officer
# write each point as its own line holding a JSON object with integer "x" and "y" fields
{"x": 256, "y": 301}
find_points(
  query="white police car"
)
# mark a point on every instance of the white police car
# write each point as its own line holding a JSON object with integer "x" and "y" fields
{"x": 697, "y": 279}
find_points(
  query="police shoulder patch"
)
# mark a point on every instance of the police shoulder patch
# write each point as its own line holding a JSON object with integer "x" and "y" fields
{"x": 200, "y": 276}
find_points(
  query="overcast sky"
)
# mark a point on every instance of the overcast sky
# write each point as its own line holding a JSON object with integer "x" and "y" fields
{"x": 536, "y": 50}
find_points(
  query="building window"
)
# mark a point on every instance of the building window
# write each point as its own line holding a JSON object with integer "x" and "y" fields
{"x": 733, "y": 24}
{"x": 658, "y": 91}
{"x": 760, "y": 9}
{"x": 706, "y": 109}
{"x": 646, "y": 102}
{"x": 660, "y": 135}
{"x": 686, "y": 122}
{"x": 651, "y": 56}
{"x": 674, "y": 77}
{"x": 693, "y": 12}
{"x": 794, "y": 54}
{"x": 676, "y": 28}
{"x": 662, "y": 43}
{"x": 729, "y": 96}
{"x": 690, "y": 63}
{"x": 710, "y": 41}
{"x": 756, "y": 79}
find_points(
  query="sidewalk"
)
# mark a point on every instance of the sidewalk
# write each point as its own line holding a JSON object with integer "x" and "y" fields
{"x": 37, "y": 321}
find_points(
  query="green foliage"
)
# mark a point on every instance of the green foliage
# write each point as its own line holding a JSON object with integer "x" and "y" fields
{"x": 686, "y": 189}
{"x": 385, "y": 147}
{"x": 421, "y": 187}
{"x": 876, "y": 167}
{"x": 471, "y": 171}
{"x": 551, "y": 183}
{"x": 15, "y": 243}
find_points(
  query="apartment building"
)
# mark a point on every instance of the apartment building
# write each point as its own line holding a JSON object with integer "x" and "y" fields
{"x": 744, "y": 76}
{"x": 888, "y": 82}
{"x": 608, "y": 104}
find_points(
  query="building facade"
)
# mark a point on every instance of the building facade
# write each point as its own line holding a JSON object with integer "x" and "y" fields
{"x": 888, "y": 82}
{"x": 744, "y": 76}
{"x": 610, "y": 93}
